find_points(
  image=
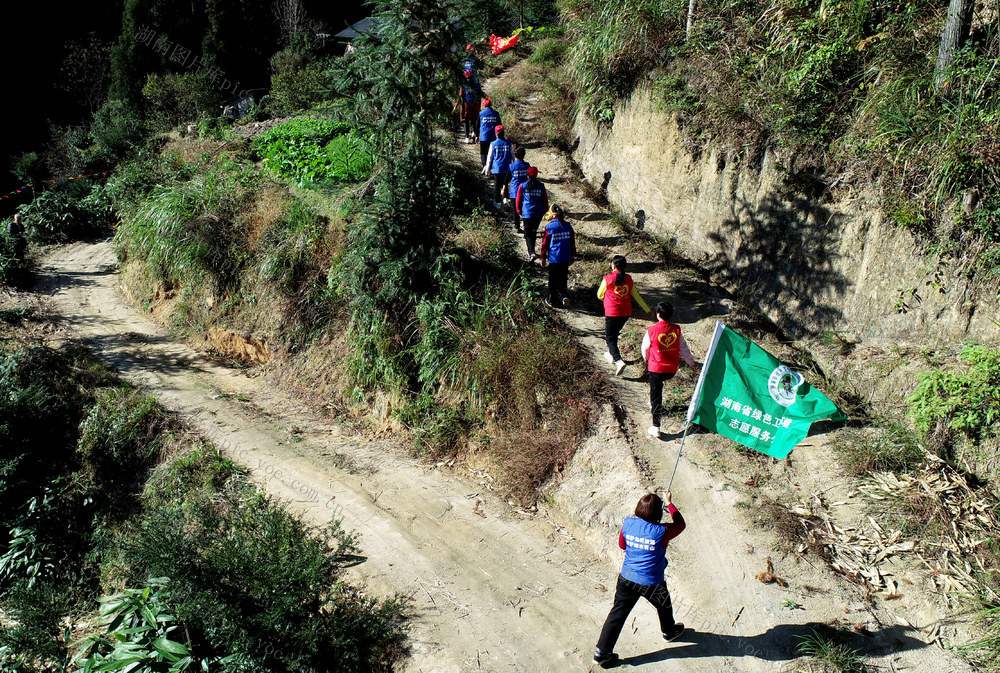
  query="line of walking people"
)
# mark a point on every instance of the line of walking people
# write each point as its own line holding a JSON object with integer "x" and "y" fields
{"x": 516, "y": 183}
{"x": 643, "y": 537}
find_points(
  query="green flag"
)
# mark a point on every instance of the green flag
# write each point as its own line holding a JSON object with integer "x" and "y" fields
{"x": 746, "y": 394}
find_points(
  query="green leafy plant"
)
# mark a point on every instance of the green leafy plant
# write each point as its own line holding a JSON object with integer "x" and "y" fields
{"x": 315, "y": 151}
{"x": 139, "y": 627}
{"x": 25, "y": 559}
{"x": 967, "y": 402}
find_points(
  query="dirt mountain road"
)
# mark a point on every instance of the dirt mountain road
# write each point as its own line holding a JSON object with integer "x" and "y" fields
{"x": 492, "y": 589}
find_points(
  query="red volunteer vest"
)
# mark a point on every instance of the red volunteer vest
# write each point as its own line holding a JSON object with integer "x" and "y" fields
{"x": 617, "y": 298}
{"x": 664, "y": 348}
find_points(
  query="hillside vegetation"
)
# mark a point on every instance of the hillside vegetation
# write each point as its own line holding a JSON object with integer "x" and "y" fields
{"x": 844, "y": 89}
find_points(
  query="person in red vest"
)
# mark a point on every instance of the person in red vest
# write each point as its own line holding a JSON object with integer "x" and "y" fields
{"x": 663, "y": 348}
{"x": 617, "y": 291}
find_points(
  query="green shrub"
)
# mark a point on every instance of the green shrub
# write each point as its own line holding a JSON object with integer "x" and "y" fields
{"x": 315, "y": 152}
{"x": 301, "y": 88}
{"x": 118, "y": 131}
{"x": 252, "y": 581}
{"x": 68, "y": 212}
{"x": 184, "y": 231}
{"x": 967, "y": 402}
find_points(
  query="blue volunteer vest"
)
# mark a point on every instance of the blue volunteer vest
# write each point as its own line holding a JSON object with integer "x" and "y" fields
{"x": 518, "y": 175}
{"x": 560, "y": 234}
{"x": 502, "y": 154}
{"x": 532, "y": 199}
{"x": 469, "y": 92}
{"x": 488, "y": 120}
{"x": 645, "y": 557}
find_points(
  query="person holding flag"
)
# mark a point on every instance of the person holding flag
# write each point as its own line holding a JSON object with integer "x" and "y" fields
{"x": 489, "y": 119}
{"x": 644, "y": 540}
{"x": 498, "y": 163}
{"x": 663, "y": 348}
{"x": 617, "y": 291}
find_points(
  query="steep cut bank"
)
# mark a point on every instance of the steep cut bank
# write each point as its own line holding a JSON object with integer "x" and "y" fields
{"x": 811, "y": 256}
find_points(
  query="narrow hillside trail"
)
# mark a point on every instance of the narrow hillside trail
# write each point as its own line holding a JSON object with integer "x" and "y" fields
{"x": 713, "y": 565}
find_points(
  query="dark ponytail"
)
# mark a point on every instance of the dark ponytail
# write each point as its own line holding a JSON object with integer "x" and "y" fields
{"x": 558, "y": 212}
{"x": 620, "y": 264}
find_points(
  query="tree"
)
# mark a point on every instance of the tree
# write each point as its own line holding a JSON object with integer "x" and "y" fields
{"x": 85, "y": 71}
{"x": 398, "y": 84}
{"x": 956, "y": 32}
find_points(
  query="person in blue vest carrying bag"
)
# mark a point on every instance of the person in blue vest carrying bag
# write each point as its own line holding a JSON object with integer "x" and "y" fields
{"x": 518, "y": 176}
{"x": 617, "y": 292}
{"x": 531, "y": 202}
{"x": 644, "y": 540}
{"x": 558, "y": 252}
{"x": 663, "y": 348}
{"x": 489, "y": 119}
{"x": 469, "y": 95}
{"x": 498, "y": 163}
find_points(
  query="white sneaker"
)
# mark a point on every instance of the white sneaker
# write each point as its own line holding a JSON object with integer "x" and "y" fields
{"x": 654, "y": 431}
{"x": 619, "y": 366}
{"x": 607, "y": 356}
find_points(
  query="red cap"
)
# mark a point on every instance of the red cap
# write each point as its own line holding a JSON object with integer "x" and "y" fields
{"x": 486, "y": 102}
{"x": 532, "y": 172}
{"x": 498, "y": 128}
{"x": 468, "y": 47}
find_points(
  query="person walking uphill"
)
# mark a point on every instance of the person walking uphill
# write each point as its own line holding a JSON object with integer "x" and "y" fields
{"x": 558, "y": 252}
{"x": 469, "y": 95}
{"x": 518, "y": 176}
{"x": 489, "y": 119}
{"x": 663, "y": 348}
{"x": 531, "y": 202}
{"x": 617, "y": 291}
{"x": 498, "y": 163}
{"x": 644, "y": 540}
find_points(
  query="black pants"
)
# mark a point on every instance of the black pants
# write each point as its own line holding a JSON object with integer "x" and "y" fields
{"x": 656, "y": 381}
{"x": 627, "y": 593}
{"x": 612, "y": 328}
{"x": 531, "y": 232}
{"x": 499, "y": 182}
{"x": 558, "y": 277}
{"x": 484, "y": 150}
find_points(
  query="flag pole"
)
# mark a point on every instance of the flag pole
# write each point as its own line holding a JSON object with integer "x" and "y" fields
{"x": 678, "y": 459}
{"x": 696, "y": 396}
